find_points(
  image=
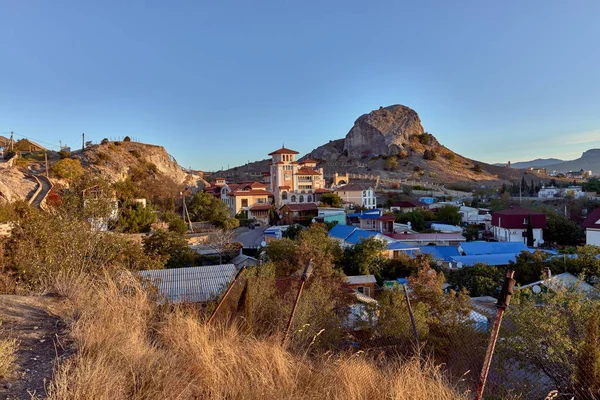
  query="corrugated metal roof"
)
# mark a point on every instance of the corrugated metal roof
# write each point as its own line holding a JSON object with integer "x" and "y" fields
{"x": 477, "y": 248}
{"x": 194, "y": 284}
{"x": 360, "y": 279}
{"x": 341, "y": 231}
{"x": 359, "y": 235}
{"x": 401, "y": 246}
{"x": 441, "y": 252}
{"x": 489, "y": 259}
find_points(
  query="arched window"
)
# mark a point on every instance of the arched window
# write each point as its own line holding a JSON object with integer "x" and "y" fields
{"x": 301, "y": 199}
{"x": 309, "y": 199}
{"x": 293, "y": 198}
{"x": 284, "y": 196}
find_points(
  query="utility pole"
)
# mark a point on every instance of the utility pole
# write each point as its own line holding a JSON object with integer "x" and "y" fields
{"x": 12, "y": 141}
{"x": 83, "y": 141}
{"x": 46, "y": 159}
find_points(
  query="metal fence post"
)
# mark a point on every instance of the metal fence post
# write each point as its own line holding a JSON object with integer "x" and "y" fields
{"x": 503, "y": 301}
{"x": 305, "y": 275}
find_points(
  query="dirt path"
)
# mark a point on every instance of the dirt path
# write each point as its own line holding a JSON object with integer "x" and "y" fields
{"x": 33, "y": 322}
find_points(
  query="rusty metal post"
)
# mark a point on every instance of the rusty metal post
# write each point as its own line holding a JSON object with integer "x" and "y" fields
{"x": 503, "y": 301}
{"x": 413, "y": 323}
{"x": 237, "y": 277}
{"x": 305, "y": 275}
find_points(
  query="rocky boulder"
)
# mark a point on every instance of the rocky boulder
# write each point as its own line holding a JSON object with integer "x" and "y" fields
{"x": 382, "y": 132}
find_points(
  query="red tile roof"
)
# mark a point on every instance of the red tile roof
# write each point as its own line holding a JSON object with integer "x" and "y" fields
{"x": 261, "y": 207}
{"x": 592, "y": 219}
{"x": 307, "y": 171}
{"x": 252, "y": 192}
{"x": 387, "y": 217}
{"x": 283, "y": 150}
{"x": 352, "y": 187}
{"x": 321, "y": 190}
{"x": 285, "y": 187}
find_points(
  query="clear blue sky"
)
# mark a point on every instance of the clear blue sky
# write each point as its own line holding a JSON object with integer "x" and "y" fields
{"x": 224, "y": 82}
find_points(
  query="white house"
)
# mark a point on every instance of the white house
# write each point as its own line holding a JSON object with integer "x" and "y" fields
{"x": 552, "y": 192}
{"x": 476, "y": 216}
{"x": 510, "y": 225}
{"x": 356, "y": 194}
{"x": 592, "y": 228}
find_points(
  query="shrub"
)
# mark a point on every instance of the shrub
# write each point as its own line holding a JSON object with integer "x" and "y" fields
{"x": 104, "y": 157}
{"x": 135, "y": 218}
{"x": 63, "y": 154}
{"x": 417, "y": 169}
{"x": 127, "y": 139}
{"x": 477, "y": 168}
{"x": 135, "y": 153}
{"x": 429, "y": 155}
{"x": 68, "y": 169}
{"x": 175, "y": 222}
{"x": 104, "y": 141}
{"x": 391, "y": 163}
{"x": 450, "y": 156}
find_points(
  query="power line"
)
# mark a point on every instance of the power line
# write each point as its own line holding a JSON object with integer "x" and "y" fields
{"x": 36, "y": 140}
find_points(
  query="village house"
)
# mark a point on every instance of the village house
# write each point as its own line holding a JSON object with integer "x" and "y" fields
{"x": 437, "y": 239}
{"x": 407, "y": 206}
{"x": 364, "y": 284}
{"x": 250, "y": 197}
{"x": 476, "y": 216}
{"x": 510, "y": 225}
{"x": 330, "y": 214}
{"x": 592, "y": 228}
{"x": 550, "y": 192}
{"x": 293, "y": 213}
{"x": 357, "y": 195}
{"x": 376, "y": 221}
{"x": 28, "y": 146}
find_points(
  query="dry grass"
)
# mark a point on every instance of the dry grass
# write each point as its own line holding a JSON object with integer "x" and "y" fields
{"x": 130, "y": 348}
{"x": 8, "y": 356}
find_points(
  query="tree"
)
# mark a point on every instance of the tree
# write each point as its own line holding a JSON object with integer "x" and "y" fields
{"x": 365, "y": 258}
{"x": 127, "y": 139}
{"x": 219, "y": 240}
{"x": 477, "y": 168}
{"x": 550, "y": 333}
{"x": 529, "y": 267}
{"x": 449, "y": 214}
{"x": 391, "y": 163}
{"x": 172, "y": 245}
{"x": 561, "y": 230}
{"x": 587, "y": 373}
{"x": 292, "y": 231}
{"x": 478, "y": 280}
{"x": 175, "y": 222}
{"x": 530, "y": 239}
{"x": 68, "y": 169}
{"x": 136, "y": 218}
{"x": 331, "y": 200}
{"x": 205, "y": 207}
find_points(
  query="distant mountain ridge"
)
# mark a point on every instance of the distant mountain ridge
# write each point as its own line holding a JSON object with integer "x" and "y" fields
{"x": 537, "y": 163}
{"x": 589, "y": 161}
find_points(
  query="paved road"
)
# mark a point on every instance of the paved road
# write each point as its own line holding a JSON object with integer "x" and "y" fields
{"x": 249, "y": 237}
{"x": 46, "y": 186}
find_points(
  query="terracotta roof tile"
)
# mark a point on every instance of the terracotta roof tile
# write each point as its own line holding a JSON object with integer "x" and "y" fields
{"x": 283, "y": 150}
{"x": 307, "y": 171}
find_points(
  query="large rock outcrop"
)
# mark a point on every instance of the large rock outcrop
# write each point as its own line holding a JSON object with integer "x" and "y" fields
{"x": 382, "y": 132}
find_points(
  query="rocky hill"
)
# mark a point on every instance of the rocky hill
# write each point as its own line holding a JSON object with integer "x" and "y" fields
{"x": 537, "y": 163}
{"x": 117, "y": 160}
{"x": 391, "y": 143}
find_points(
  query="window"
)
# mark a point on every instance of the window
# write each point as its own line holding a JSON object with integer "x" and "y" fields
{"x": 301, "y": 199}
{"x": 244, "y": 202}
{"x": 293, "y": 199}
{"x": 309, "y": 199}
{"x": 364, "y": 290}
{"x": 284, "y": 196}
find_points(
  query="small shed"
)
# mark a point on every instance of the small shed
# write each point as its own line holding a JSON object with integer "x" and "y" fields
{"x": 364, "y": 284}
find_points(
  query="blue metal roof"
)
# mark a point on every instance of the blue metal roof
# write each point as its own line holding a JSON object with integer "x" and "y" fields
{"x": 341, "y": 231}
{"x": 480, "y": 248}
{"x": 359, "y": 235}
{"x": 441, "y": 252}
{"x": 400, "y": 246}
{"x": 489, "y": 259}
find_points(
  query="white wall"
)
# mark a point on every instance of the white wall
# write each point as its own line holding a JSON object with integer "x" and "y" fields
{"x": 516, "y": 235}
{"x": 592, "y": 236}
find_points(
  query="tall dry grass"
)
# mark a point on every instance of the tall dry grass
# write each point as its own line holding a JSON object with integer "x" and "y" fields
{"x": 128, "y": 347}
{"x": 8, "y": 356}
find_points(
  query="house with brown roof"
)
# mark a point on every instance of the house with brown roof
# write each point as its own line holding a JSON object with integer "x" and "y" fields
{"x": 592, "y": 228}
{"x": 251, "y": 197}
{"x": 291, "y": 213}
{"x": 407, "y": 206}
{"x": 357, "y": 195}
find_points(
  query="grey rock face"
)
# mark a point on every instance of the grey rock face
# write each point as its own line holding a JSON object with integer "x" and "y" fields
{"x": 382, "y": 132}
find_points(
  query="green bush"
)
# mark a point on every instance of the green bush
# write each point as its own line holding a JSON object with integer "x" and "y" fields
{"x": 136, "y": 218}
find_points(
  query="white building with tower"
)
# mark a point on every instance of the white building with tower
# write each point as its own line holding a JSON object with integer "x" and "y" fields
{"x": 293, "y": 182}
